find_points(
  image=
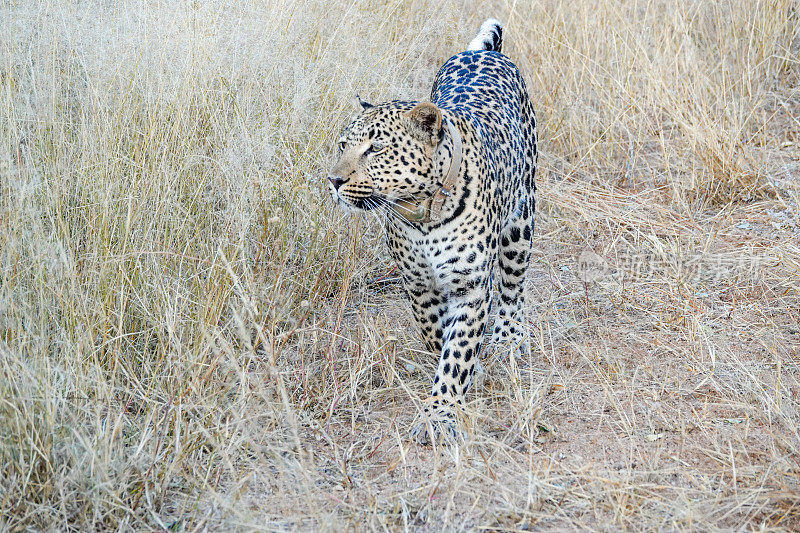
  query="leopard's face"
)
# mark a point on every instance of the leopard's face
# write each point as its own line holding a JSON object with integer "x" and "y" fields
{"x": 385, "y": 155}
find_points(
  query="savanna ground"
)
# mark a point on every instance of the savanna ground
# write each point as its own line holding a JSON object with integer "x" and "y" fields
{"x": 192, "y": 338}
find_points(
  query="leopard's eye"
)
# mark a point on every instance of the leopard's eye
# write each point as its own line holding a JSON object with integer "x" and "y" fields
{"x": 342, "y": 145}
{"x": 377, "y": 147}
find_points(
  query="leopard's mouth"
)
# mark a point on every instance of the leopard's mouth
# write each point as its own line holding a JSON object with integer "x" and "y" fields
{"x": 363, "y": 203}
{"x": 369, "y": 203}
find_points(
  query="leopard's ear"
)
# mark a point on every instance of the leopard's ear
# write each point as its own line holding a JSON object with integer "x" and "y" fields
{"x": 363, "y": 104}
{"x": 425, "y": 122}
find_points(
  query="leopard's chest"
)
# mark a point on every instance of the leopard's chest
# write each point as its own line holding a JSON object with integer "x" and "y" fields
{"x": 449, "y": 257}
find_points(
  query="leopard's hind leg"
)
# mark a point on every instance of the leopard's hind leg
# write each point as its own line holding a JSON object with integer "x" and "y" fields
{"x": 508, "y": 332}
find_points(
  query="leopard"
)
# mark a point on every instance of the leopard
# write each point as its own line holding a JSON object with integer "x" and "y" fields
{"x": 453, "y": 178}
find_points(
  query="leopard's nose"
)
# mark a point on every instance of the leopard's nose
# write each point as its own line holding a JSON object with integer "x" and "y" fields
{"x": 336, "y": 181}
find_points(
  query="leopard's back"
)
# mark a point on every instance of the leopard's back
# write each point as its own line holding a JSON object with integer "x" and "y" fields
{"x": 485, "y": 88}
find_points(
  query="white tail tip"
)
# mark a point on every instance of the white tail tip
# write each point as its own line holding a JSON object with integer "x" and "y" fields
{"x": 490, "y": 37}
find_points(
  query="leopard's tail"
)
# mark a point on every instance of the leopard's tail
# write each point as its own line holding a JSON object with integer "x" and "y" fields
{"x": 490, "y": 37}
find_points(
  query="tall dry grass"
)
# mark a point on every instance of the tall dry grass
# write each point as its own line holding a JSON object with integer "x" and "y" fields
{"x": 191, "y": 337}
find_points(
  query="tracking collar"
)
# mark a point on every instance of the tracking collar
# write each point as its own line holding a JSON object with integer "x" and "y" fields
{"x": 430, "y": 210}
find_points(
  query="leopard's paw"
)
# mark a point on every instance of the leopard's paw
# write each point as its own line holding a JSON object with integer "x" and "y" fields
{"x": 439, "y": 429}
{"x": 502, "y": 346}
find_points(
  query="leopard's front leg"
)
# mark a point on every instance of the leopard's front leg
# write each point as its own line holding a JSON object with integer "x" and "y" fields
{"x": 463, "y": 328}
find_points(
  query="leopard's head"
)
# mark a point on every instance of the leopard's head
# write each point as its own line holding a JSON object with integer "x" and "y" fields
{"x": 387, "y": 154}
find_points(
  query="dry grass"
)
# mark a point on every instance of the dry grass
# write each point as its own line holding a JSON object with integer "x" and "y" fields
{"x": 190, "y": 337}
